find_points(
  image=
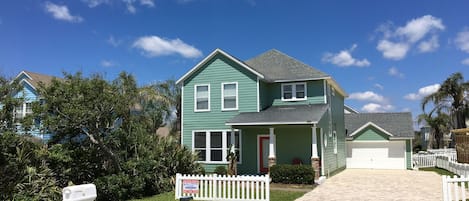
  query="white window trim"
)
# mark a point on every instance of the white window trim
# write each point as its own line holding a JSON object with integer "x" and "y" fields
{"x": 225, "y": 146}
{"x": 223, "y": 97}
{"x": 334, "y": 139}
{"x": 195, "y": 98}
{"x": 293, "y": 84}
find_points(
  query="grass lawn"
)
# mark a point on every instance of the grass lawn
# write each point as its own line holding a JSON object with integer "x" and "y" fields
{"x": 438, "y": 171}
{"x": 275, "y": 195}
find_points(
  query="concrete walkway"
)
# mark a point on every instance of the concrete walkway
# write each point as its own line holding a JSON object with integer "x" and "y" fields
{"x": 361, "y": 184}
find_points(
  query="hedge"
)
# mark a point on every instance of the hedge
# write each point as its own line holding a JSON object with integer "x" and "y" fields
{"x": 292, "y": 174}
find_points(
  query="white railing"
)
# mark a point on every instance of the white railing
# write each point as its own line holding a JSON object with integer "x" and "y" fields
{"x": 455, "y": 188}
{"x": 429, "y": 159}
{"x": 218, "y": 187}
{"x": 452, "y": 166}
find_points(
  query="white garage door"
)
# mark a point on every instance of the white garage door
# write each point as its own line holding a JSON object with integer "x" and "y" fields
{"x": 376, "y": 155}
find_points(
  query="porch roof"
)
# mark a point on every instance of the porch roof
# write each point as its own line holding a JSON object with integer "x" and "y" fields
{"x": 281, "y": 115}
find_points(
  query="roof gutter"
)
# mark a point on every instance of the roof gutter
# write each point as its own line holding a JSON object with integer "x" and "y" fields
{"x": 271, "y": 123}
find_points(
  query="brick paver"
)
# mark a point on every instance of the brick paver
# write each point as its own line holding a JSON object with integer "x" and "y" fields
{"x": 362, "y": 184}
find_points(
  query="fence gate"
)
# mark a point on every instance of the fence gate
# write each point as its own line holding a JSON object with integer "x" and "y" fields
{"x": 218, "y": 187}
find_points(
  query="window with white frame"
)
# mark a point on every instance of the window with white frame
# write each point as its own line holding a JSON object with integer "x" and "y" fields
{"x": 29, "y": 108}
{"x": 202, "y": 98}
{"x": 294, "y": 91}
{"x": 229, "y": 96}
{"x": 19, "y": 112}
{"x": 213, "y": 146}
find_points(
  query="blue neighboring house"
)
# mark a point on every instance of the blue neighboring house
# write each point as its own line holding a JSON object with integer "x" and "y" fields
{"x": 30, "y": 82}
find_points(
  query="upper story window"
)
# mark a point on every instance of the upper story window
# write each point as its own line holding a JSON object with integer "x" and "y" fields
{"x": 294, "y": 91}
{"x": 229, "y": 95}
{"x": 202, "y": 98}
{"x": 19, "y": 112}
{"x": 29, "y": 108}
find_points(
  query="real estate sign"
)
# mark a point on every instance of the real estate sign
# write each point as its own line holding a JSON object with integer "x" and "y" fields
{"x": 190, "y": 186}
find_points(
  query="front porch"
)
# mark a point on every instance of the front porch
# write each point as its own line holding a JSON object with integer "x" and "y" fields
{"x": 264, "y": 146}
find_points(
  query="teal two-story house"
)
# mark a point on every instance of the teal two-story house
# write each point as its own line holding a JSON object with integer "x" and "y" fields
{"x": 273, "y": 108}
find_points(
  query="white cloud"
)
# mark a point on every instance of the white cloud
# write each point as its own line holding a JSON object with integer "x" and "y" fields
{"x": 367, "y": 96}
{"x": 378, "y": 86}
{"x": 113, "y": 41}
{"x": 393, "y": 71}
{"x": 95, "y": 3}
{"x": 154, "y": 46}
{"x": 374, "y": 107}
{"x": 61, "y": 13}
{"x": 465, "y": 62}
{"x": 462, "y": 41}
{"x": 396, "y": 42}
{"x": 148, "y": 3}
{"x": 429, "y": 45}
{"x": 107, "y": 63}
{"x": 416, "y": 29}
{"x": 344, "y": 58}
{"x": 424, "y": 91}
{"x": 131, "y": 8}
{"x": 391, "y": 50}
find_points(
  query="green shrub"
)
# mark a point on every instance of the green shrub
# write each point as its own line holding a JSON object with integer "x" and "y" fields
{"x": 292, "y": 174}
{"x": 220, "y": 170}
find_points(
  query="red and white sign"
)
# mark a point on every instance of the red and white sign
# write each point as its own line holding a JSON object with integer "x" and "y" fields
{"x": 190, "y": 186}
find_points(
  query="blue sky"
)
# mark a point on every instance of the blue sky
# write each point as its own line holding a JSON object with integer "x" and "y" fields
{"x": 385, "y": 54}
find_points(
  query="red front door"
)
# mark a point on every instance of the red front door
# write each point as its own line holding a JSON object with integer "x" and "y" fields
{"x": 263, "y": 148}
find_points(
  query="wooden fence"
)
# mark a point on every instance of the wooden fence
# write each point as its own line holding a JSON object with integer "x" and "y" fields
{"x": 218, "y": 187}
{"x": 455, "y": 188}
{"x": 429, "y": 160}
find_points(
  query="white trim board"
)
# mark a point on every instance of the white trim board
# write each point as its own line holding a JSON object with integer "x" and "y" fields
{"x": 370, "y": 124}
{"x": 210, "y": 56}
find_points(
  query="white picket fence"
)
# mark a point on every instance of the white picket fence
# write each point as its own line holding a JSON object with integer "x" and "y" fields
{"x": 455, "y": 188}
{"x": 429, "y": 159}
{"x": 444, "y": 162}
{"x": 221, "y": 187}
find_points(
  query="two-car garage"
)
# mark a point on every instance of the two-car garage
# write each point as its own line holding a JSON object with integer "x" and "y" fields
{"x": 376, "y": 155}
{"x": 379, "y": 140}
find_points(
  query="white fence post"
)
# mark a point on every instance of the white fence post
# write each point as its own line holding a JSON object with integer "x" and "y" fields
{"x": 217, "y": 187}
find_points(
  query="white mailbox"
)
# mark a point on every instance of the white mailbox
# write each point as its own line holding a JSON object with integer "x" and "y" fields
{"x": 85, "y": 192}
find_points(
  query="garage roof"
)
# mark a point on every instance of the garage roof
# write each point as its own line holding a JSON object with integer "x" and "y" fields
{"x": 398, "y": 124}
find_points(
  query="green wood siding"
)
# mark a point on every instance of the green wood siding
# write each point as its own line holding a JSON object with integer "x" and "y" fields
{"x": 315, "y": 94}
{"x": 218, "y": 70}
{"x": 408, "y": 150}
{"x": 370, "y": 134}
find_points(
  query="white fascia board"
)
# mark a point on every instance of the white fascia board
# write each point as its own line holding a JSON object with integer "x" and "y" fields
{"x": 334, "y": 84}
{"x": 210, "y": 56}
{"x": 370, "y": 124}
{"x": 29, "y": 83}
{"x": 270, "y": 123}
{"x": 304, "y": 79}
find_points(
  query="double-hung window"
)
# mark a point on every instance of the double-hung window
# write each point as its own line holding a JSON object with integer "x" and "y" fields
{"x": 294, "y": 91}
{"x": 202, "y": 97}
{"x": 229, "y": 93}
{"x": 29, "y": 108}
{"x": 19, "y": 112}
{"x": 214, "y": 146}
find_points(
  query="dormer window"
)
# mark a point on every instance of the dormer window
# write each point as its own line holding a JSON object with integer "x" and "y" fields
{"x": 294, "y": 91}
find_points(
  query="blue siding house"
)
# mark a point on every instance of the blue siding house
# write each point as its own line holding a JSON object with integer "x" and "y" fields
{"x": 30, "y": 83}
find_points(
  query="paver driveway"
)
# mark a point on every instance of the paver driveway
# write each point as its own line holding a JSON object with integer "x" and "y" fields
{"x": 362, "y": 184}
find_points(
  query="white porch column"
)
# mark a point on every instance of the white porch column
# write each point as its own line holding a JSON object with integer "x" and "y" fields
{"x": 232, "y": 138}
{"x": 314, "y": 143}
{"x": 271, "y": 143}
{"x": 272, "y": 157}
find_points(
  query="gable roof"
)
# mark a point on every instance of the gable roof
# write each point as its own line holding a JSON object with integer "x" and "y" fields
{"x": 348, "y": 110}
{"x": 279, "y": 67}
{"x": 33, "y": 79}
{"x": 281, "y": 115}
{"x": 210, "y": 56}
{"x": 397, "y": 125}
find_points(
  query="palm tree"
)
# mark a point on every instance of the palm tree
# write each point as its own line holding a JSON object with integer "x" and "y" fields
{"x": 167, "y": 95}
{"x": 452, "y": 97}
{"x": 439, "y": 126}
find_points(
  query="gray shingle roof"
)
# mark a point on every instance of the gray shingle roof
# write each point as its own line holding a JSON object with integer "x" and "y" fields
{"x": 399, "y": 124}
{"x": 292, "y": 114}
{"x": 277, "y": 66}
